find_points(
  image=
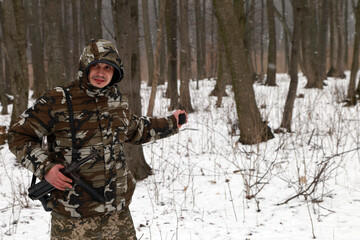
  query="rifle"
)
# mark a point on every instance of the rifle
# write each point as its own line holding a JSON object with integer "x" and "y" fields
{"x": 42, "y": 190}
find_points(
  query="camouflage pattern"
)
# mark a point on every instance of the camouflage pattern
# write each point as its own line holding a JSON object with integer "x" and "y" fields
{"x": 103, "y": 121}
{"x": 116, "y": 225}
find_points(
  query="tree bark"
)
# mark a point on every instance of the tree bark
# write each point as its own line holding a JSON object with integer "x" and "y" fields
{"x": 333, "y": 39}
{"x": 352, "y": 95}
{"x": 148, "y": 41}
{"x": 271, "y": 67}
{"x": 341, "y": 36}
{"x": 185, "y": 100}
{"x": 199, "y": 55}
{"x": 323, "y": 37}
{"x": 294, "y": 62}
{"x": 252, "y": 128}
{"x": 37, "y": 48}
{"x": 156, "y": 72}
{"x": 76, "y": 33}
{"x": 15, "y": 47}
{"x": 171, "y": 33}
{"x": 125, "y": 17}
{"x": 91, "y": 14}
{"x": 3, "y": 96}
{"x": 53, "y": 33}
{"x": 310, "y": 53}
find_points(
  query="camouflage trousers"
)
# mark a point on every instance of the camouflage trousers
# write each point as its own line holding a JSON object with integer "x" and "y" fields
{"x": 116, "y": 225}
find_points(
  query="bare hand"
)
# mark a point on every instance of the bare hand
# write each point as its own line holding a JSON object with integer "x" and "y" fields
{"x": 57, "y": 179}
{"x": 176, "y": 115}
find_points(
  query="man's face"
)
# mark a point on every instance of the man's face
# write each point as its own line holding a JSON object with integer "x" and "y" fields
{"x": 100, "y": 74}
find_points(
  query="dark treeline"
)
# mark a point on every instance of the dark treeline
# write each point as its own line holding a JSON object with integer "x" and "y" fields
{"x": 236, "y": 42}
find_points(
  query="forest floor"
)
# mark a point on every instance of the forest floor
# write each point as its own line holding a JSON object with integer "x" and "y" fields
{"x": 299, "y": 185}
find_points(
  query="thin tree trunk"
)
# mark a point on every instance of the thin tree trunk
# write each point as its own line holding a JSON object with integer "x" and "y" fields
{"x": 252, "y": 128}
{"x": 333, "y": 39}
{"x": 185, "y": 100}
{"x": 171, "y": 32}
{"x": 353, "y": 96}
{"x": 76, "y": 33}
{"x": 271, "y": 68}
{"x": 66, "y": 41}
{"x": 54, "y": 44}
{"x": 294, "y": 62}
{"x": 91, "y": 16}
{"x": 15, "y": 53}
{"x": 199, "y": 55}
{"x": 341, "y": 36}
{"x": 286, "y": 39}
{"x": 148, "y": 41}
{"x": 262, "y": 68}
{"x": 3, "y": 97}
{"x": 156, "y": 72}
{"x": 37, "y": 49}
{"x": 323, "y": 37}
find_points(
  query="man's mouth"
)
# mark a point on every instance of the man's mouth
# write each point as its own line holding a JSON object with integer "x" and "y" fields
{"x": 98, "y": 79}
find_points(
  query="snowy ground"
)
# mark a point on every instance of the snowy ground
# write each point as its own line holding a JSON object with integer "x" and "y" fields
{"x": 206, "y": 186}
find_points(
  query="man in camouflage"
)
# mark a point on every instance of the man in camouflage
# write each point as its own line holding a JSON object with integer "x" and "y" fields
{"x": 103, "y": 122}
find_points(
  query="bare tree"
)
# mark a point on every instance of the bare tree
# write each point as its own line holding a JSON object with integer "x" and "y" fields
{"x": 37, "y": 47}
{"x": 252, "y": 128}
{"x": 125, "y": 17}
{"x": 148, "y": 41}
{"x": 53, "y": 33}
{"x": 75, "y": 29}
{"x": 156, "y": 72}
{"x": 271, "y": 67}
{"x": 294, "y": 62}
{"x": 171, "y": 33}
{"x": 309, "y": 47}
{"x": 3, "y": 97}
{"x": 15, "y": 46}
{"x": 352, "y": 95}
{"x": 185, "y": 100}
{"x": 91, "y": 15}
{"x": 200, "y": 61}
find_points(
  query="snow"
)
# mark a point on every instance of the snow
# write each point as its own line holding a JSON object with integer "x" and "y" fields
{"x": 208, "y": 186}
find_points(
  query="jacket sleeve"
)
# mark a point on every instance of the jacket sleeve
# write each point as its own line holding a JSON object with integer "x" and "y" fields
{"x": 144, "y": 129}
{"x": 25, "y": 136}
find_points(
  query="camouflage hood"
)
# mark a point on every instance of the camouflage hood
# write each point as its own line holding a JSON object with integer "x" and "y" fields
{"x": 101, "y": 51}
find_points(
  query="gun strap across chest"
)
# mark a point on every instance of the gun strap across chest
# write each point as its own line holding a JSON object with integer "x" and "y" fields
{"x": 75, "y": 154}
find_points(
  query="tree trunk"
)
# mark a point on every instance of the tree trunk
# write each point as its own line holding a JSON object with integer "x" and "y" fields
{"x": 262, "y": 71}
{"x": 294, "y": 62}
{"x": 148, "y": 42}
{"x": 252, "y": 128}
{"x": 333, "y": 39}
{"x": 271, "y": 67}
{"x": 341, "y": 36}
{"x": 286, "y": 39}
{"x": 54, "y": 44}
{"x": 244, "y": 25}
{"x": 156, "y": 72}
{"x": 125, "y": 17}
{"x": 323, "y": 37}
{"x": 223, "y": 75}
{"x": 185, "y": 100}
{"x": 66, "y": 41}
{"x": 15, "y": 46}
{"x": 171, "y": 33}
{"x": 353, "y": 96}
{"x": 199, "y": 55}
{"x": 3, "y": 96}
{"x": 91, "y": 14}
{"x": 37, "y": 48}
{"x": 76, "y": 33}
{"x": 310, "y": 53}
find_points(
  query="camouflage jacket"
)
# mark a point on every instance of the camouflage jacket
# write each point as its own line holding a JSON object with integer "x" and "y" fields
{"x": 102, "y": 121}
